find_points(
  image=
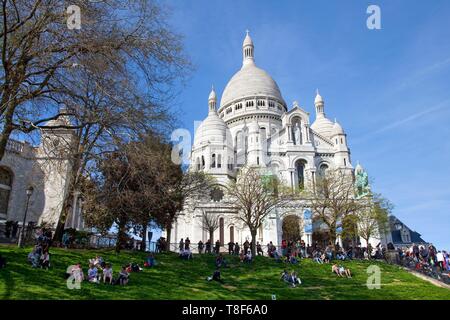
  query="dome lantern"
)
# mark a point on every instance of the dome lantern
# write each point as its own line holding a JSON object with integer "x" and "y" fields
{"x": 212, "y": 100}
{"x": 248, "y": 50}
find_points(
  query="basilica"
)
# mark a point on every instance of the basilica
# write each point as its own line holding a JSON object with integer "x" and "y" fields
{"x": 253, "y": 125}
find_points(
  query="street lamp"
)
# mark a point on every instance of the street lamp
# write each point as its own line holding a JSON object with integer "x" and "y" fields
{"x": 29, "y": 192}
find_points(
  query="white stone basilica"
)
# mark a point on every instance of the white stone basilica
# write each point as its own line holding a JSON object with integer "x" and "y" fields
{"x": 254, "y": 126}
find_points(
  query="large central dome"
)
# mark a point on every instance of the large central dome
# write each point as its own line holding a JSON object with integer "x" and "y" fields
{"x": 250, "y": 81}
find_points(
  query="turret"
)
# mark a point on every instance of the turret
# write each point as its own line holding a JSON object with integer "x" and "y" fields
{"x": 212, "y": 101}
{"x": 248, "y": 51}
{"x": 319, "y": 103}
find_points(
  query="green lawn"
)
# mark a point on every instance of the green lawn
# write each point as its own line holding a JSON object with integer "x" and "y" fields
{"x": 173, "y": 278}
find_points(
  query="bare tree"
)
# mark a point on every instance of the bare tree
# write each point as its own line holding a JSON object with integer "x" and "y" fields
{"x": 192, "y": 186}
{"x": 255, "y": 196}
{"x": 333, "y": 199}
{"x": 39, "y": 52}
{"x": 210, "y": 223}
{"x": 372, "y": 221}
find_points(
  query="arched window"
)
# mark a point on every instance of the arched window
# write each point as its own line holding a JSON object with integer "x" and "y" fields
{"x": 203, "y": 162}
{"x": 323, "y": 169}
{"x": 5, "y": 190}
{"x": 300, "y": 168}
{"x": 213, "y": 160}
{"x": 232, "y": 234}
{"x": 221, "y": 231}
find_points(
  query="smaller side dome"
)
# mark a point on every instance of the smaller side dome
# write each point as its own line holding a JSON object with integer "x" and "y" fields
{"x": 337, "y": 129}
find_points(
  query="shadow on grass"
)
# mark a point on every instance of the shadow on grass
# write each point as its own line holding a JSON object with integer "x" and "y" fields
{"x": 8, "y": 281}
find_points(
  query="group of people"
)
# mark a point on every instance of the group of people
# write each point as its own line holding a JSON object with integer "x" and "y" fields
{"x": 207, "y": 247}
{"x": 39, "y": 257}
{"x": 101, "y": 271}
{"x": 425, "y": 257}
{"x": 161, "y": 245}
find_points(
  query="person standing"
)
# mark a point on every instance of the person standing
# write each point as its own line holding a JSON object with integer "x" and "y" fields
{"x": 200, "y": 247}
{"x": 208, "y": 246}
{"x": 230, "y": 248}
{"x": 259, "y": 249}
{"x": 217, "y": 248}
{"x": 246, "y": 246}
{"x": 187, "y": 243}
{"x": 181, "y": 246}
{"x": 236, "y": 248}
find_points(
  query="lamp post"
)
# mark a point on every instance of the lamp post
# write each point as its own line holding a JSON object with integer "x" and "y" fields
{"x": 22, "y": 235}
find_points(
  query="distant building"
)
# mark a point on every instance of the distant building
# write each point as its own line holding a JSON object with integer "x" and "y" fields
{"x": 401, "y": 235}
{"x": 44, "y": 167}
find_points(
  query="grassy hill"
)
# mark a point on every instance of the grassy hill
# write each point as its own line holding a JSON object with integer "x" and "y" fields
{"x": 174, "y": 278}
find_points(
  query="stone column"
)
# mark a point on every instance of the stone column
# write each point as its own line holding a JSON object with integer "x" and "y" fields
{"x": 306, "y": 125}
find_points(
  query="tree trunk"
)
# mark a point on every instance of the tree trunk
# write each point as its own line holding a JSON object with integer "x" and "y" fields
{"x": 120, "y": 234}
{"x": 144, "y": 237}
{"x": 7, "y": 120}
{"x": 253, "y": 247}
{"x": 211, "y": 238}
{"x": 333, "y": 239}
{"x": 75, "y": 173}
{"x": 168, "y": 231}
{"x": 369, "y": 248}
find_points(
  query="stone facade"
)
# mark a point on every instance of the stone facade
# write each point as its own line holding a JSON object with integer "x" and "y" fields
{"x": 254, "y": 126}
{"x": 45, "y": 168}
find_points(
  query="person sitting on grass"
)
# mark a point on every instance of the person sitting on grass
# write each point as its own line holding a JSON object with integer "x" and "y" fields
{"x": 242, "y": 256}
{"x": 220, "y": 261}
{"x": 151, "y": 262}
{"x": 186, "y": 254}
{"x": 286, "y": 277}
{"x": 97, "y": 262}
{"x": 295, "y": 279}
{"x": 215, "y": 276}
{"x": 135, "y": 267}
{"x": 108, "y": 274}
{"x": 248, "y": 257}
{"x": 293, "y": 259}
{"x": 341, "y": 255}
{"x": 341, "y": 271}
{"x": 276, "y": 256}
{"x": 76, "y": 272}
{"x": 123, "y": 277}
{"x": 92, "y": 273}
{"x": 35, "y": 256}
{"x": 45, "y": 260}
{"x": 317, "y": 257}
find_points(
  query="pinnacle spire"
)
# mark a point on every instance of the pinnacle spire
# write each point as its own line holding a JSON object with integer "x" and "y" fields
{"x": 247, "y": 50}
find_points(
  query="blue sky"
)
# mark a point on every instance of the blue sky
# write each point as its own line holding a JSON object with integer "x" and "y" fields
{"x": 389, "y": 88}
